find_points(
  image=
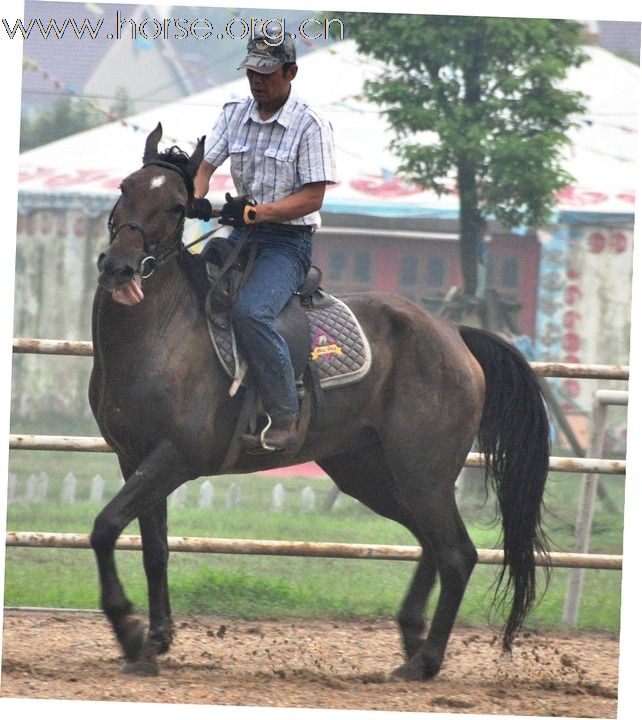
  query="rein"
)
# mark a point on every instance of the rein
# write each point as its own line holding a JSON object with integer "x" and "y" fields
{"x": 225, "y": 285}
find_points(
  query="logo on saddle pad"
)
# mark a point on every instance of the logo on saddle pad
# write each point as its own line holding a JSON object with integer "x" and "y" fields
{"x": 324, "y": 345}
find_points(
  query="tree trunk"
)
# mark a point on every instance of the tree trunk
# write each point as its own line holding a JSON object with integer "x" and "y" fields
{"x": 470, "y": 226}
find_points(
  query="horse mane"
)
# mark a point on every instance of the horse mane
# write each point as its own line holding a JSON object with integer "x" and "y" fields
{"x": 192, "y": 265}
{"x": 175, "y": 156}
{"x": 194, "y": 268}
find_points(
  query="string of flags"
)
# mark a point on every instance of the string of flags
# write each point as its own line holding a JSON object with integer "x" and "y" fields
{"x": 30, "y": 65}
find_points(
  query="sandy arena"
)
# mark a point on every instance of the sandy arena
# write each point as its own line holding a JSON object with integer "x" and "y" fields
{"x": 342, "y": 665}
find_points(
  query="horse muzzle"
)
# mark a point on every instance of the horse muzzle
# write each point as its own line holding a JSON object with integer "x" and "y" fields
{"x": 114, "y": 272}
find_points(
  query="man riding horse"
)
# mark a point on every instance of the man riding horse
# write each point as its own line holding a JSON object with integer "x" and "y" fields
{"x": 282, "y": 158}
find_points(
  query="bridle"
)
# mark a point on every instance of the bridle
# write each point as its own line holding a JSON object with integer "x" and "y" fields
{"x": 153, "y": 255}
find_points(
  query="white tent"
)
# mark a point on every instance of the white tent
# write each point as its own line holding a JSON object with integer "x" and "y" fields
{"x": 82, "y": 169}
{"x": 584, "y": 285}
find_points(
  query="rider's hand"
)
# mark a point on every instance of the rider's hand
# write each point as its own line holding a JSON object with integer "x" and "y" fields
{"x": 199, "y": 208}
{"x": 130, "y": 293}
{"x": 238, "y": 212}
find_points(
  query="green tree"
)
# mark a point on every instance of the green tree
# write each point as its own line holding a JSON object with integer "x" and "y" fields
{"x": 122, "y": 105}
{"x": 67, "y": 116}
{"x": 486, "y": 90}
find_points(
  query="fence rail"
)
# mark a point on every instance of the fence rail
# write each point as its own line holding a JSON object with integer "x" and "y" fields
{"x": 97, "y": 444}
{"x": 52, "y": 347}
{"x": 298, "y": 549}
{"x": 543, "y": 369}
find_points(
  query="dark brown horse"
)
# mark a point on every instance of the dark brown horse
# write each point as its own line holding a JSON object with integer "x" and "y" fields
{"x": 396, "y": 440}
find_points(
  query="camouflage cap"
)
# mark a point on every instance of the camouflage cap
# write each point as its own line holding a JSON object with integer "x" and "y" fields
{"x": 265, "y": 54}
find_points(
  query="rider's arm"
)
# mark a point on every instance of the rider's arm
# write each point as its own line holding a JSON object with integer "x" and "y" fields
{"x": 307, "y": 200}
{"x": 202, "y": 179}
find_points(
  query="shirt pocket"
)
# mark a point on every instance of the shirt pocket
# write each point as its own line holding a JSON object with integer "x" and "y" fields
{"x": 242, "y": 167}
{"x": 282, "y": 163}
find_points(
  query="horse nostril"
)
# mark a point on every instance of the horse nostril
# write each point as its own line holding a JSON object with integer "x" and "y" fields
{"x": 111, "y": 267}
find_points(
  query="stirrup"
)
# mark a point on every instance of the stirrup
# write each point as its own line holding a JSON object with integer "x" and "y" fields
{"x": 264, "y": 445}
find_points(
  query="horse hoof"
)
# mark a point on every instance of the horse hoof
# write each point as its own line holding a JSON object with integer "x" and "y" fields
{"x": 141, "y": 668}
{"x": 413, "y": 671}
{"x": 131, "y": 634}
{"x": 406, "y": 674}
{"x": 160, "y": 640}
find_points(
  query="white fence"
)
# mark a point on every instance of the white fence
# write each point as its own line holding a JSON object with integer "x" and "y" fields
{"x": 37, "y": 490}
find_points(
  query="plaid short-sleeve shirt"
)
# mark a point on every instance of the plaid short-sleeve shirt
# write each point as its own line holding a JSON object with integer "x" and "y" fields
{"x": 272, "y": 159}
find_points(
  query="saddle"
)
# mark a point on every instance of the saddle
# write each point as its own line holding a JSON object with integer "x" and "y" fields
{"x": 327, "y": 346}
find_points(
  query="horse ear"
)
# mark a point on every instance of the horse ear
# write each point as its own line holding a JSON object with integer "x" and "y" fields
{"x": 151, "y": 144}
{"x": 196, "y": 157}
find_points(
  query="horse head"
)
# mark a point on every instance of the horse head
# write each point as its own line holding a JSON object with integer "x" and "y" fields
{"x": 146, "y": 223}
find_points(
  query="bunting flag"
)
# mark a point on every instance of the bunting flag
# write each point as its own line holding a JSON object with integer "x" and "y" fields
{"x": 30, "y": 65}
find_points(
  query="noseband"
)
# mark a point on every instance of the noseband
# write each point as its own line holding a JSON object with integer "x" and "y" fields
{"x": 153, "y": 257}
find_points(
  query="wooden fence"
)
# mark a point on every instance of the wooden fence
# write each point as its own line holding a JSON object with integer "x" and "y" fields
{"x": 298, "y": 549}
{"x": 269, "y": 547}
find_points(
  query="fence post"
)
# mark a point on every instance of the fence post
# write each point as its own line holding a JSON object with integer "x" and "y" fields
{"x": 97, "y": 490}
{"x": 233, "y": 496}
{"x": 278, "y": 497}
{"x": 12, "y": 490}
{"x": 584, "y": 520}
{"x": 68, "y": 491}
{"x": 206, "y": 495}
{"x": 178, "y": 496}
{"x": 37, "y": 487}
{"x": 308, "y": 499}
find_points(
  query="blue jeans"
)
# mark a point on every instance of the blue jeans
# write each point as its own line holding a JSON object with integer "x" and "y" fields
{"x": 282, "y": 262}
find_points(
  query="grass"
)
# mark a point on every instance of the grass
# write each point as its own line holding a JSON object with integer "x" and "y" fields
{"x": 276, "y": 587}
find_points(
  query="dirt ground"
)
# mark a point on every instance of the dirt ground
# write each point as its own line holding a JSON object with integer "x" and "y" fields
{"x": 338, "y": 665}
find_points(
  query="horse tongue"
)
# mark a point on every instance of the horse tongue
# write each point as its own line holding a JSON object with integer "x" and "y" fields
{"x": 131, "y": 293}
{"x": 137, "y": 287}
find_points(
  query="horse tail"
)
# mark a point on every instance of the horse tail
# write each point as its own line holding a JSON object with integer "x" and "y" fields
{"x": 514, "y": 437}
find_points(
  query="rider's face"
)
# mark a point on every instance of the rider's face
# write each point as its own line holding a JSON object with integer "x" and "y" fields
{"x": 271, "y": 91}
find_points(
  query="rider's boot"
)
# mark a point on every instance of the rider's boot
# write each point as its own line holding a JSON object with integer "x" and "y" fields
{"x": 275, "y": 437}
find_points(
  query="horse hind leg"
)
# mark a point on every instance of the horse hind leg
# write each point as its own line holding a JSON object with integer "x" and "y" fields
{"x": 419, "y": 495}
{"x": 456, "y": 557}
{"x": 430, "y": 498}
{"x": 367, "y": 477}
{"x": 412, "y": 615}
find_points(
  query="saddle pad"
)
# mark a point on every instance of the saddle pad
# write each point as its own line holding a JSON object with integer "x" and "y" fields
{"x": 338, "y": 346}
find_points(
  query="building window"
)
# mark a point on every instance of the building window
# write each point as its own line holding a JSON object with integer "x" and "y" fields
{"x": 510, "y": 273}
{"x": 336, "y": 264}
{"x": 435, "y": 272}
{"x": 361, "y": 267}
{"x": 408, "y": 271}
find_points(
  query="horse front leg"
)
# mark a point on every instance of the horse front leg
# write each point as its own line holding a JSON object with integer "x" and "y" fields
{"x": 156, "y": 477}
{"x": 153, "y": 530}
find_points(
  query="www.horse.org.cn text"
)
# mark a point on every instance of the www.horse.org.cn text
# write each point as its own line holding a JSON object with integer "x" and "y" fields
{"x": 122, "y": 28}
